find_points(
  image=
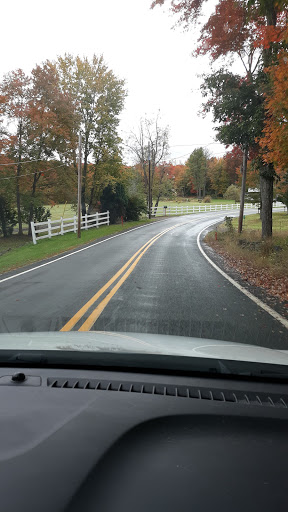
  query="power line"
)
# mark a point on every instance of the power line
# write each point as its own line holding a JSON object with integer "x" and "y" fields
{"x": 32, "y": 173}
{"x": 30, "y": 161}
{"x": 198, "y": 144}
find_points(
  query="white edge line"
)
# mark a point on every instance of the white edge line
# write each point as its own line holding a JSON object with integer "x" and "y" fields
{"x": 76, "y": 252}
{"x": 259, "y": 302}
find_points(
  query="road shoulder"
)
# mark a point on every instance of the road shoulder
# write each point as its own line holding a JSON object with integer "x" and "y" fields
{"x": 273, "y": 302}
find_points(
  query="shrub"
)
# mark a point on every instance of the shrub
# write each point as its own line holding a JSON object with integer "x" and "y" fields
{"x": 115, "y": 200}
{"x": 207, "y": 199}
{"x": 229, "y": 225}
{"x": 136, "y": 205}
{"x": 232, "y": 192}
{"x": 40, "y": 214}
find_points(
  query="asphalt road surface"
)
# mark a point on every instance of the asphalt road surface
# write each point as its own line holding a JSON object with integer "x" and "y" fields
{"x": 153, "y": 280}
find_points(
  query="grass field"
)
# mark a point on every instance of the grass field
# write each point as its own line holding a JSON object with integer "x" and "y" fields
{"x": 18, "y": 251}
{"x": 253, "y": 222}
{"x": 61, "y": 210}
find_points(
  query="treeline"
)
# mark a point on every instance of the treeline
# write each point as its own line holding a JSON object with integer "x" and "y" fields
{"x": 200, "y": 176}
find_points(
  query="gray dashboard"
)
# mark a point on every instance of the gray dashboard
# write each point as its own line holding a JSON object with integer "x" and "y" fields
{"x": 84, "y": 440}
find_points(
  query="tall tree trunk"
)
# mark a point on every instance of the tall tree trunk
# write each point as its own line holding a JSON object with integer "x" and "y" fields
{"x": 31, "y": 208}
{"x": 243, "y": 190}
{"x": 266, "y": 191}
{"x": 267, "y": 172}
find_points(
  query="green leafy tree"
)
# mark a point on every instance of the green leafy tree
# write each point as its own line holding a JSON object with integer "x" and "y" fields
{"x": 237, "y": 107}
{"x": 98, "y": 99}
{"x": 197, "y": 165}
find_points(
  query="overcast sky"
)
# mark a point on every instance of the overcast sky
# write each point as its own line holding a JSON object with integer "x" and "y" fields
{"x": 137, "y": 43}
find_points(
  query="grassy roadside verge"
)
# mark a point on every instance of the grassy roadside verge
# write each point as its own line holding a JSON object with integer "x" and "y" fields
{"x": 16, "y": 252}
{"x": 261, "y": 263}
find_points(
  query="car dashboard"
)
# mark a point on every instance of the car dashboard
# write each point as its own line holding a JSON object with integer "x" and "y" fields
{"x": 112, "y": 440}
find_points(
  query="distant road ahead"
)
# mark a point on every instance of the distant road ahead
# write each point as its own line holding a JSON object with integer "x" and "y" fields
{"x": 153, "y": 279}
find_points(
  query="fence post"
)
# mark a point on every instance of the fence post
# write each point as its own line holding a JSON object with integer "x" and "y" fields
{"x": 33, "y": 232}
{"x": 97, "y": 222}
{"x": 86, "y": 225}
{"x": 49, "y": 228}
{"x": 61, "y": 228}
{"x": 108, "y": 216}
{"x": 75, "y": 224}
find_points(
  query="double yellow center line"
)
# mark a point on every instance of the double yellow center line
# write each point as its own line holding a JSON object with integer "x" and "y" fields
{"x": 89, "y": 322}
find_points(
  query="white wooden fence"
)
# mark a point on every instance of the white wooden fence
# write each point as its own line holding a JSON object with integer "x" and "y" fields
{"x": 61, "y": 226}
{"x": 198, "y": 208}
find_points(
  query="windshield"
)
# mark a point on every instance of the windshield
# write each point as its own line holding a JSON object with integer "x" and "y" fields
{"x": 143, "y": 177}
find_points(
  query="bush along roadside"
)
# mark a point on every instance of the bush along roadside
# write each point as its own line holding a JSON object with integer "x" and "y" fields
{"x": 262, "y": 263}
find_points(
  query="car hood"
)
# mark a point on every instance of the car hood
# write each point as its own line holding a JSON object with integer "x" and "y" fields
{"x": 141, "y": 343}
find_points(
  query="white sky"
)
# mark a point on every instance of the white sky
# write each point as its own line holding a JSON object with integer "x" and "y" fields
{"x": 138, "y": 44}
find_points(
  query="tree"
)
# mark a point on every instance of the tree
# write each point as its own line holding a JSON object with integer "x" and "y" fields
{"x": 197, "y": 165}
{"x": 98, "y": 99}
{"x": 136, "y": 206}
{"x": 275, "y": 133}
{"x": 181, "y": 180}
{"x": 282, "y": 190}
{"x": 151, "y": 141}
{"x": 237, "y": 105}
{"x": 233, "y": 161}
{"x": 232, "y": 192}
{"x": 15, "y": 91}
{"x": 115, "y": 200}
{"x": 8, "y": 217}
{"x": 163, "y": 182}
{"x": 219, "y": 179}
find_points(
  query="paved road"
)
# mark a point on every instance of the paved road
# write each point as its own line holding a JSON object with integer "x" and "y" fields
{"x": 153, "y": 279}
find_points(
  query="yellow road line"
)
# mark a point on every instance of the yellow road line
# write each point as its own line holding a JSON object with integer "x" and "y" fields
{"x": 73, "y": 321}
{"x": 98, "y": 310}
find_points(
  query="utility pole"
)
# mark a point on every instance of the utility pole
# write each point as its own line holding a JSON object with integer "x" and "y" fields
{"x": 149, "y": 182}
{"x": 79, "y": 186}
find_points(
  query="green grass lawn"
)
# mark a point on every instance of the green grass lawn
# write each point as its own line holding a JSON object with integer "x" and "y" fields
{"x": 253, "y": 222}
{"x": 18, "y": 251}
